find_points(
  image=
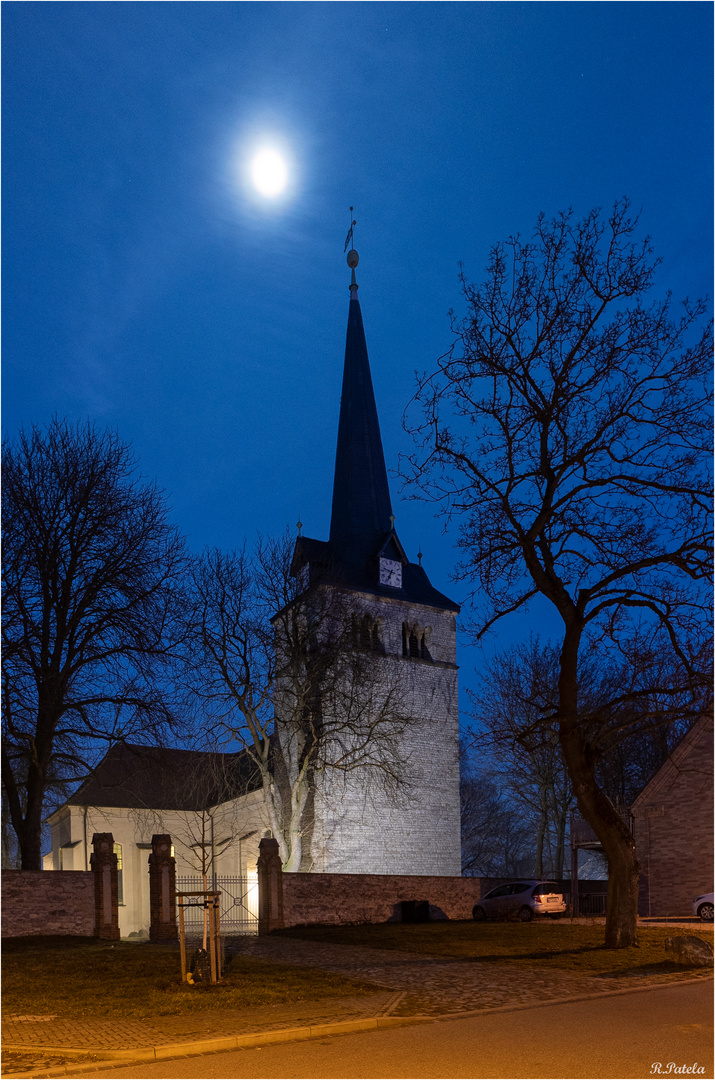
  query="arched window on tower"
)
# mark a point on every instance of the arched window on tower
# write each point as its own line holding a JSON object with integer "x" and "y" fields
{"x": 415, "y": 642}
{"x": 367, "y": 633}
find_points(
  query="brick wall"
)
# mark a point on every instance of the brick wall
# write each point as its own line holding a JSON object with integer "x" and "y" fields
{"x": 674, "y": 828}
{"x": 358, "y": 898}
{"x": 47, "y": 902}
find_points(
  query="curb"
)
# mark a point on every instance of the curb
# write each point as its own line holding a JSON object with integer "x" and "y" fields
{"x": 197, "y": 1047}
{"x": 114, "y": 1058}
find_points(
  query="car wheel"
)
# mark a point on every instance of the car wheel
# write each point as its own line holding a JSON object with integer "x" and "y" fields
{"x": 526, "y": 914}
{"x": 705, "y": 911}
{"x": 479, "y": 914}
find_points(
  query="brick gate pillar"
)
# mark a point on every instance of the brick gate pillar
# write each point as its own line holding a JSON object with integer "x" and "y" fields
{"x": 103, "y": 862}
{"x": 270, "y": 887}
{"x": 162, "y": 890}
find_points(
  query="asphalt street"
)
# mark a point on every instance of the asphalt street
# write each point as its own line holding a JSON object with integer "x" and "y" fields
{"x": 627, "y": 1035}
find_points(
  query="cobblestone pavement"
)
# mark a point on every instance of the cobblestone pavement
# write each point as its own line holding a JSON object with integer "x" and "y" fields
{"x": 451, "y": 985}
{"x": 16, "y": 1062}
{"x": 38, "y": 1043}
{"x": 411, "y": 985}
{"x": 107, "y": 1034}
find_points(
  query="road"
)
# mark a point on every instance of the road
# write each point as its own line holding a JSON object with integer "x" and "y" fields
{"x": 613, "y": 1037}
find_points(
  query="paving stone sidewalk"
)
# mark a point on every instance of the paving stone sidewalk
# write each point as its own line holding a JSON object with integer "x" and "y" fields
{"x": 32, "y": 1044}
{"x": 411, "y": 985}
{"x": 452, "y": 985}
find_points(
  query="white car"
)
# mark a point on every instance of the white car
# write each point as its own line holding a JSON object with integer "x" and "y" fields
{"x": 522, "y": 900}
{"x": 703, "y": 907}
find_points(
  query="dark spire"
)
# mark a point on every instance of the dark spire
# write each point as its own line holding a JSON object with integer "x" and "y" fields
{"x": 361, "y": 512}
{"x": 362, "y": 526}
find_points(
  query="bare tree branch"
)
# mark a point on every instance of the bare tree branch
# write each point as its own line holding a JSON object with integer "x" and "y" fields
{"x": 569, "y": 430}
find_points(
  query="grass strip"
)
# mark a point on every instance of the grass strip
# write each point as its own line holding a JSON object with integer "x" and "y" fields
{"x": 125, "y": 980}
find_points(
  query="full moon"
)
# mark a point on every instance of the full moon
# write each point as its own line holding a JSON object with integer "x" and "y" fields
{"x": 269, "y": 173}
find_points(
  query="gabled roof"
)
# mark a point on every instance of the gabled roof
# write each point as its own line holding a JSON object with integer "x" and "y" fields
{"x": 692, "y": 756}
{"x": 164, "y": 778}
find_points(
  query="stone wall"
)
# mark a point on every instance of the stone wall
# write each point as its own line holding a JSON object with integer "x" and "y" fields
{"x": 345, "y": 899}
{"x": 372, "y": 898}
{"x": 48, "y": 902}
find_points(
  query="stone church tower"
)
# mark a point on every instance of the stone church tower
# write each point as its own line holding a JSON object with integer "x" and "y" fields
{"x": 407, "y": 630}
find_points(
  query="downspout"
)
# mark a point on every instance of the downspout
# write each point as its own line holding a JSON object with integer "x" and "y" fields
{"x": 84, "y": 826}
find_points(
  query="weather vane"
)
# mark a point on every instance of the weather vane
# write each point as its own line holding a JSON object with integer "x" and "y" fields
{"x": 349, "y": 237}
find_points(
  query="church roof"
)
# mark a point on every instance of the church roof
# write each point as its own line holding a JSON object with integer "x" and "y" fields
{"x": 164, "y": 778}
{"x": 362, "y": 524}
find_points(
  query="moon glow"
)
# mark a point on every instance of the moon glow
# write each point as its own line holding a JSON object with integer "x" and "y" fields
{"x": 269, "y": 173}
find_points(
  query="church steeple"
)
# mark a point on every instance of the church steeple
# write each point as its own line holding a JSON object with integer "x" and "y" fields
{"x": 362, "y": 513}
{"x": 363, "y": 553}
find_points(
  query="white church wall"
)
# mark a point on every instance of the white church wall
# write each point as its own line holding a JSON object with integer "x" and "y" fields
{"x": 237, "y": 829}
{"x": 360, "y": 829}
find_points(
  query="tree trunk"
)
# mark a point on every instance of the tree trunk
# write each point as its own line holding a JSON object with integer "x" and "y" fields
{"x": 26, "y": 819}
{"x": 613, "y": 833}
{"x": 30, "y": 837}
{"x": 560, "y": 840}
{"x": 31, "y": 843}
{"x": 540, "y": 833}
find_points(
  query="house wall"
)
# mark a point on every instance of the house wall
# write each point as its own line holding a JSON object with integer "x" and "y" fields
{"x": 362, "y": 830}
{"x": 674, "y": 828}
{"x": 235, "y": 852}
{"x": 369, "y": 898}
{"x": 34, "y": 902}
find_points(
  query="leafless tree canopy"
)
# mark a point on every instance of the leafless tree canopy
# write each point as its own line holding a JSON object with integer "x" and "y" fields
{"x": 497, "y": 838}
{"x": 514, "y": 726}
{"x": 570, "y": 424}
{"x": 91, "y": 574}
{"x": 569, "y": 429}
{"x": 282, "y": 676}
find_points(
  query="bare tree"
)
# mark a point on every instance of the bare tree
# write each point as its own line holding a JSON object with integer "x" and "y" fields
{"x": 284, "y": 676}
{"x": 496, "y": 837}
{"x": 513, "y": 726}
{"x": 90, "y": 578}
{"x": 569, "y": 428}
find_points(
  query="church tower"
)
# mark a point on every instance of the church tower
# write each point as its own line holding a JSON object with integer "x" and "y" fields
{"x": 407, "y": 630}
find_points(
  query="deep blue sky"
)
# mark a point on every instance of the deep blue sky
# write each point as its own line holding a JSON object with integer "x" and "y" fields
{"x": 145, "y": 287}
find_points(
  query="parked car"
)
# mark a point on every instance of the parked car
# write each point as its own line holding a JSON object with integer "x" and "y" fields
{"x": 521, "y": 899}
{"x": 703, "y": 907}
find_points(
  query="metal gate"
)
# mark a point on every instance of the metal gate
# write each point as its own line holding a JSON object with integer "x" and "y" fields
{"x": 238, "y": 904}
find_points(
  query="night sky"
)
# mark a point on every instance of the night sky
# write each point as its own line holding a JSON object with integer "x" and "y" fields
{"x": 149, "y": 287}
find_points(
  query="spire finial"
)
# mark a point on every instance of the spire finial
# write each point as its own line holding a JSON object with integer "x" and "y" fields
{"x": 392, "y": 521}
{"x": 353, "y": 257}
{"x": 299, "y": 525}
{"x": 419, "y": 555}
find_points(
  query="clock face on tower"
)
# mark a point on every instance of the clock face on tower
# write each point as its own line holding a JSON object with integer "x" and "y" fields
{"x": 391, "y": 573}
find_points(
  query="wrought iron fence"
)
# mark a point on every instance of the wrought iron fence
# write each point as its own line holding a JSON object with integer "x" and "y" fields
{"x": 589, "y": 903}
{"x": 238, "y": 903}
